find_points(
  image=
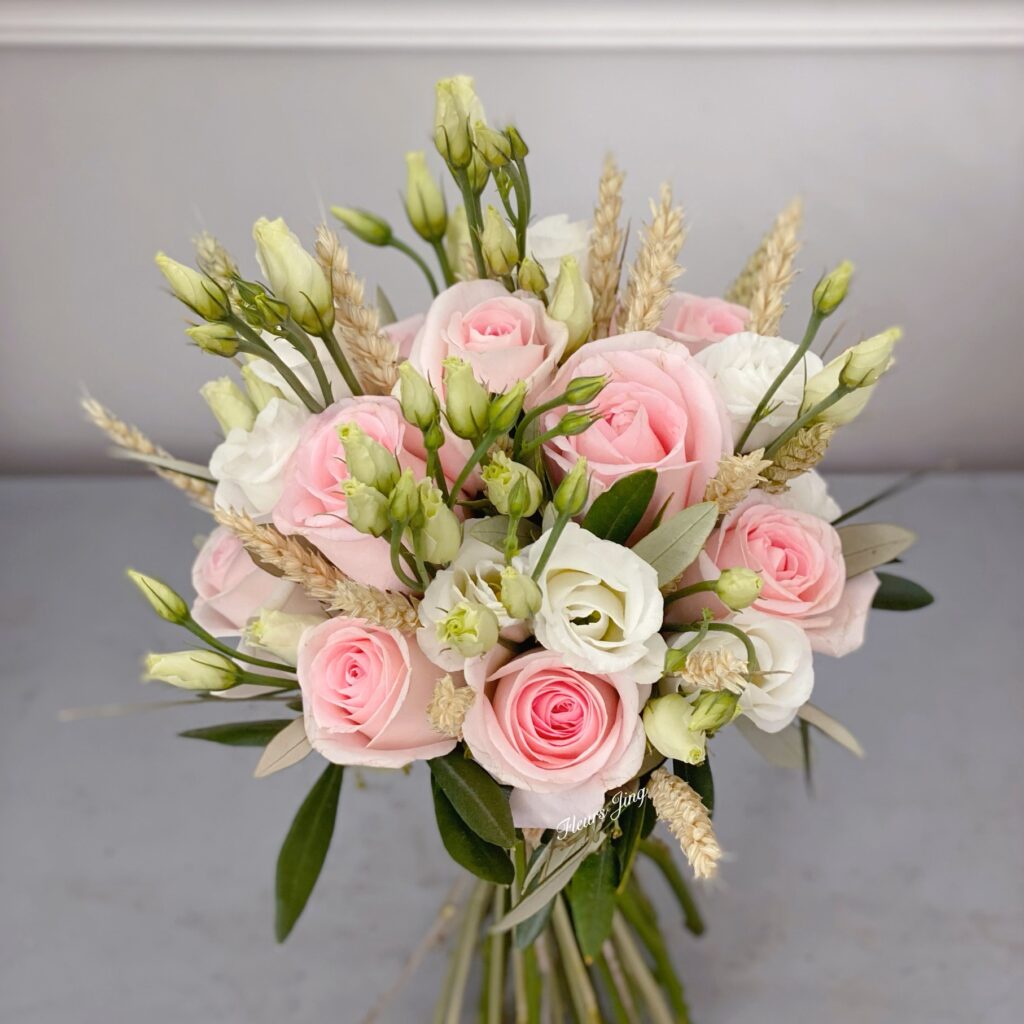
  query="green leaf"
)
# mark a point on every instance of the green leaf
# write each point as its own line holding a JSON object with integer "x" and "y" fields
{"x": 592, "y": 899}
{"x": 698, "y": 776}
{"x": 525, "y": 934}
{"x": 897, "y": 594}
{"x": 869, "y": 545}
{"x": 631, "y": 823}
{"x": 304, "y": 849}
{"x": 674, "y": 545}
{"x": 492, "y": 530}
{"x": 478, "y": 799}
{"x": 616, "y": 513}
{"x": 239, "y": 734}
{"x": 465, "y": 847}
{"x": 384, "y": 308}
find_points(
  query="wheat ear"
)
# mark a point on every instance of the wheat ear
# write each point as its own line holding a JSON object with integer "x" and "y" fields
{"x": 126, "y": 436}
{"x": 372, "y": 353}
{"x": 775, "y": 273}
{"x": 606, "y": 243}
{"x": 741, "y": 290}
{"x": 655, "y": 267}
{"x": 302, "y": 564}
{"x": 680, "y": 807}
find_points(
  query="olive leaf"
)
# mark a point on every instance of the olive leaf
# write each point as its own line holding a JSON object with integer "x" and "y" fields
{"x": 288, "y": 747}
{"x": 675, "y": 544}
{"x": 869, "y": 545}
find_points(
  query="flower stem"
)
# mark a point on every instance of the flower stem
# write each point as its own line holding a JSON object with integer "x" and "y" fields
{"x": 581, "y": 992}
{"x": 258, "y": 679}
{"x": 208, "y": 638}
{"x": 693, "y": 588}
{"x": 549, "y": 547}
{"x": 659, "y": 853}
{"x": 442, "y": 262}
{"x": 636, "y": 968}
{"x": 300, "y": 341}
{"x": 334, "y": 348}
{"x": 619, "y": 1011}
{"x": 449, "y": 1008}
{"x": 402, "y": 247}
{"x": 252, "y": 344}
{"x": 396, "y": 552}
{"x": 496, "y": 972}
{"x": 474, "y": 219}
{"x": 808, "y": 417}
{"x": 478, "y": 453}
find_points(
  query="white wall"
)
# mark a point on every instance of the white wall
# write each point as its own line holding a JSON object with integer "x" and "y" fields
{"x": 125, "y": 127}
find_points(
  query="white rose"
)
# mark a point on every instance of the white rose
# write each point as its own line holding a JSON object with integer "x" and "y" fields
{"x": 474, "y": 575}
{"x": 784, "y": 657}
{"x": 808, "y": 493}
{"x": 299, "y": 365}
{"x": 249, "y": 465}
{"x": 601, "y": 608}
{"x": 743, "y": 367}
{"x": 551, "y": 238}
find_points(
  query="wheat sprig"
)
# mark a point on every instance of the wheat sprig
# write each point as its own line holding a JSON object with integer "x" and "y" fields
{"x": 741, "y": 290}
{"x": 372, "y": 353}
{"x": 129, "y": 437}
{"x": 681, "y": 808}
{"x": 775, "y": 272}
{"x": 302, "y": 564}
{"x": 606, "y": 242}
{"x": 655, "y": 267}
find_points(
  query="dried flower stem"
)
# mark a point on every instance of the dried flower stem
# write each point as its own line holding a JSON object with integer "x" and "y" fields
{"x": 126, "y": 436}
{"x": 775, "y": 271}
{"x": 606, "y": 244}
{"x": 655, "y": 267}
{"x": 302, "y": 564}
{"x": 372, "y": 353}
{"x": 680, "y": 807}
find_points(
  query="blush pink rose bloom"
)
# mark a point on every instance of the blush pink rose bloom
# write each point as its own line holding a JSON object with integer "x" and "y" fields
{"x": 231, "y": 588}
{"x": 312, "y": 503}
{"x": 365, "y": 692}
{"x": 660, "y": 411}
{"x": 505, "y": 338}
{"x": 403, "y": 333}
{"x": 698, "y": 322}
{"x": 800, "y": 559}
{"x": 560, "y": 737}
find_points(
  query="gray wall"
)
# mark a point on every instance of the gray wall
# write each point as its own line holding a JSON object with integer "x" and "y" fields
{"x": 899, "y": 124}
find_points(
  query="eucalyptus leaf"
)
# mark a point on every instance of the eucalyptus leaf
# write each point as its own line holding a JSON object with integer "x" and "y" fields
{"x": 698, "y": 777}
{"x": 476, "y": 797}
{"x": 465, "y": 847}
{"x": 869, "y": 545}
{"x": 288, "y": 747}
{"x": 592, "y": 899}
{"x": 304, "y": 850}
{"x": 617, "y": 513}
{"x": 240, "y": 734}
{"x": 675, "y": 544}
{"x": 834, "y": 730}
{"x": 897, "y": 594}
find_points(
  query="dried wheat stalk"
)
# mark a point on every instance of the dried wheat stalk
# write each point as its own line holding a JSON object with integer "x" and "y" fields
{"x": 655, "y": 267}
{"x": 126, "y": 436}
{"x": 373, "y": 355}
{"x": 775, "y": 274}
{"x": 680, "y": 807}
{"x": 788, "y": 221}
{"x": 606, "y": 242}
{"x": 324, "y": 582}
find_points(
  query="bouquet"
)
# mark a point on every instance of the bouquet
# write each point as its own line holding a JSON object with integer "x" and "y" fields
{"x": 551, "y": 536}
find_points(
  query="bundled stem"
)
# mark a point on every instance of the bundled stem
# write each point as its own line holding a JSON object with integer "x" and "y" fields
{"x": 775, "y": 271}
{"x": 606, "y": 243}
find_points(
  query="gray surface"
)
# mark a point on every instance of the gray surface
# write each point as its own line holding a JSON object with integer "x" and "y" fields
{"x": 135, "y": 881}
{"x": 909, "y": 164}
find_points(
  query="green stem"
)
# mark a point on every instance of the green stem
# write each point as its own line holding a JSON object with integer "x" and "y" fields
{"x": 659, "y": 853}
{"x": 334, "y": 348}
{"x": 434, "y": 469}
{"x": 478, "y": 453}
{"x": 512, "y": 539}
{"x": 258, "y": 679}
{"x": 496, "y": 973}
{"x": 549, "y": 547}
{"x": 522, "y": 207}
{"x": 626, "y": 990}
{"x": 635, "y": 967}
{"x": 815, "y": 321}
{"x": 694, "y": 588}
{"x": 418, "y": 559}
{"x": 901, "y": 485}
{"x": 396, "y": 551}
{"x": 301, "y": 342}
{"x": 402, "y": 247}
{"x": 252, "y": 344}
{"x": 532, "y": 415}
{"x": 442, "y": 262}
{"x": 208, "y": 638}
{"x": 808, "y": 417}
{"x": 474, "y": 218}
{"x": 609, "y": 986}
{"x": 534, "y": 443}
{"x": 449, "y": 1008}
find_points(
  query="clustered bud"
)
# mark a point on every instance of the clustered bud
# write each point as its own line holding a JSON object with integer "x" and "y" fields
{"x": 571, "y": 495}
{"x": 505, "y": 480}
{"x": 192, "y": 670}
{"x": 466, "y": 399}
{"x": 424, "y": 201}
{"x": 294, "y": 275}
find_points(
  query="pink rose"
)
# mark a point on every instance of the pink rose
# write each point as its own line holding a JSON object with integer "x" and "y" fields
{"x": 697, "y": 321}
{"x": 365, "y": 692}
{"x": 505, "y": 338}
{"x": 660, "y": 411}
{"x": 312, "y": 503}
{"x": 231, "y": 588}
{"x": 800, "y": 559}
{"x": 560, "y": 737}
{"x": 403, "y": 333}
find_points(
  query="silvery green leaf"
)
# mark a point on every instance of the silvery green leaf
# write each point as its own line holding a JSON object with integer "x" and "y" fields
{"x": 384, "y": 308}
{"x": 492, "y": 530}
{"x": 834, "y": 730}
{"x": 783, "y": 749}
{"x": 869, "y": 545}
{"x": 288, "y": 747}
{"x": 675, "y": 544}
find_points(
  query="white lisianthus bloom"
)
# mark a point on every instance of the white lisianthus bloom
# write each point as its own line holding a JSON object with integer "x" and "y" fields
{"x": 808, "y": 493}
{"x": 601, "y": 608}
{"x": 475, "y": 576}
{"x": 249, "y": 465}
{"x": 743, "y": 367}
{"x": 784, "y": 657}
{"x": 299, "y": 365}
{"x": 551, "y": 238}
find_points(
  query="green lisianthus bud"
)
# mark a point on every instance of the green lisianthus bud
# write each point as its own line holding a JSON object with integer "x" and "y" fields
{"x": 261, "y": 394}
{"x": 294, "y": 275}
{"x": 470, "y": 628}
{"x": 477, "y": 172}
{"x": 404, "y": 502}
{"x": 520, "y": 595}
{"x": 200, "y": 293}
{"x": 192, "y": 670}
{"x": 441, "y": 532}
{"x": 418, "y": 400}
{"x": 498, "y": 244}
{"x": 424, "y": 200}
{"x": 501, "y": 475}
{"x": 668, "y": 722}
{"x": 576, "y": 422}
{"x": 457, "y": 243}
{"x": 493, "y": 146}
{"x": 366, "y": 226}
{"x": 584, "y": 389}
{"x": 167, "y": 603}
{"x": 738, "y": 588}
{"x": 571, "y": 495}
{"x": 713, "y": 710}
{"x": 280, "y": 632}
{"x": 675, "y": 660}
{"x": 368, "y": 460}
{"x": 214, "y": 339}
{"x": 869, "y": 359}
{"x": 229, "y": 404}
{"x": 456, "y": 108}
{"x": 433, "y": 436}
{"x": 519, "y": 147}
{"x": 366, "y": 508}
{"x": 504, "y": 410}
{"x": 572, "y": 302}
{"x": 466, "y": 399}
{"x": 830, "y": 291}
{"x": 532, "y": 277}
